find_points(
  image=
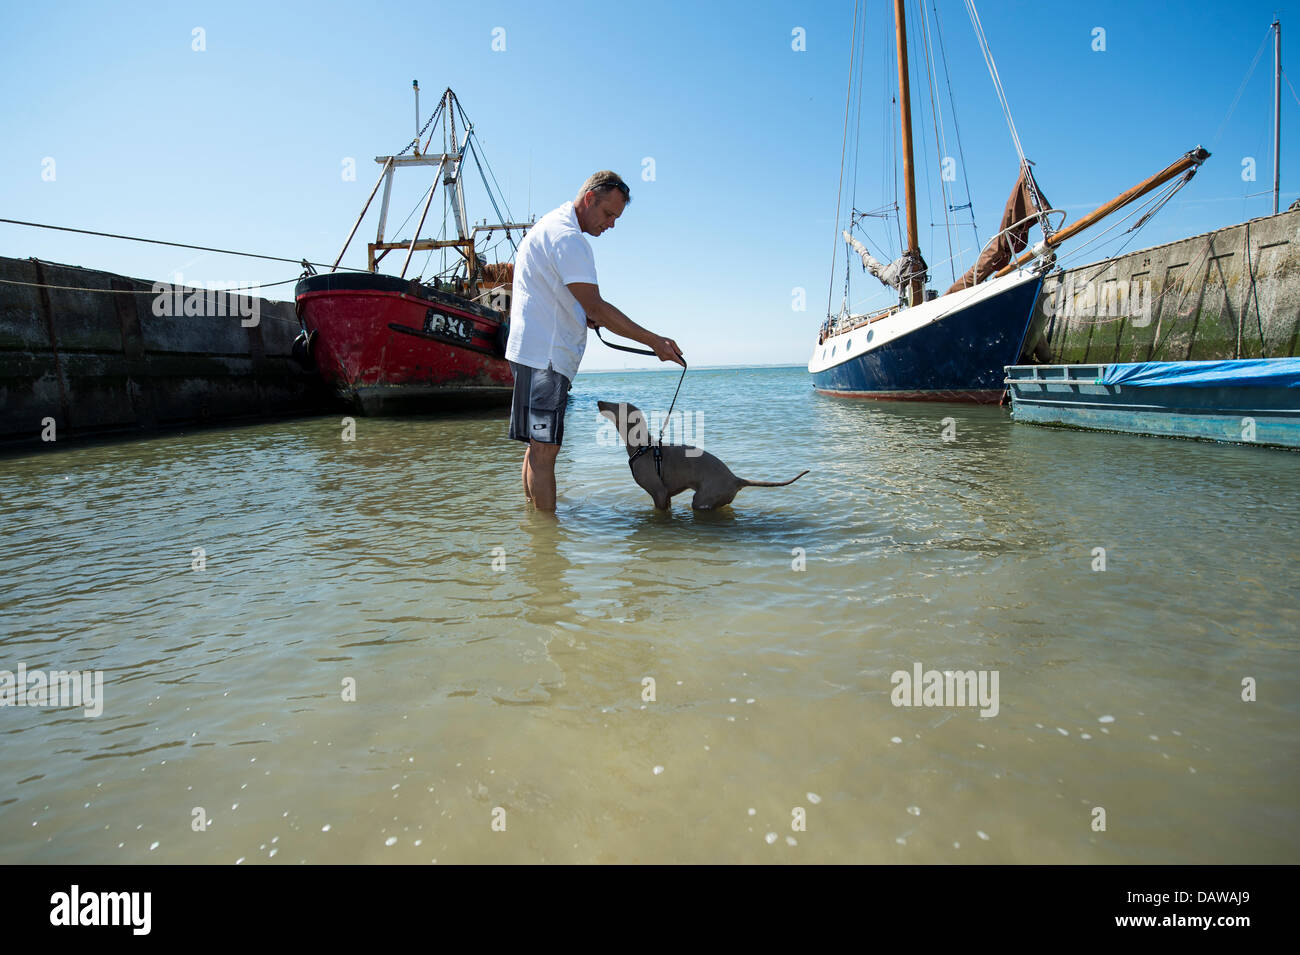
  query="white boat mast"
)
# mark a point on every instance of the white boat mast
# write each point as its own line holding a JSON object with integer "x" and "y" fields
{"x": 449, "y": 164}
{"x": 1277, "y": 110}
{"x": 451, "y": 172}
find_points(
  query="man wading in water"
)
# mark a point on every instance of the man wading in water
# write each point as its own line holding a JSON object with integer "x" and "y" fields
{"x": 555, "y": 301}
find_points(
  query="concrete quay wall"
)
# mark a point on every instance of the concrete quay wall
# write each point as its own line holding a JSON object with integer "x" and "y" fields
{"x": 1232, "y": 293}
{"x": 75, "y": 349}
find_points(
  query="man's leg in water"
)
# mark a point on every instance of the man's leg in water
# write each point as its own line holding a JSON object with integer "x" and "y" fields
{"x": 539, "y": 471}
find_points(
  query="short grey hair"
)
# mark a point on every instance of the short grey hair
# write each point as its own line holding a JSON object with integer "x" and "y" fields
{"x": 603, "y": 182}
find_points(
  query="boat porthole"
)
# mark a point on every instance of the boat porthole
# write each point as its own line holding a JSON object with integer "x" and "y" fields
{"x": 832, "y": 351}
{"x": 870, "y": 332}
{"x": 848, "y": 344}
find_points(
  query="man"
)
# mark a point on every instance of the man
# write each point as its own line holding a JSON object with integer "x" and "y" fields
{"x": 555, "y": 300}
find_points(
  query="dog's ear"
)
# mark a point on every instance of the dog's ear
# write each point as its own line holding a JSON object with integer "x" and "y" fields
{"x": 635, "y": 429}
{"x": 617, "y": 414}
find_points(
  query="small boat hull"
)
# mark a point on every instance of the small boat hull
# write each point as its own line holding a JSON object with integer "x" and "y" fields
{"x": 393, "y": 346}
{"x": 1254, "y": 401}
{"x": 952, "y": 348}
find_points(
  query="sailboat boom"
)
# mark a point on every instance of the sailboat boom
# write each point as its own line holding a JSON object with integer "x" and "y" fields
{"x": 1191, "y": 160}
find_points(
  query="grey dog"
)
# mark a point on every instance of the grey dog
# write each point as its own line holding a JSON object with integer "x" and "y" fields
{"x": 680, "y": 466}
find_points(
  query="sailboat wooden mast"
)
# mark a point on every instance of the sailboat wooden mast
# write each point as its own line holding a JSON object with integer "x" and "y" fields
{"x": 915, "y": 289}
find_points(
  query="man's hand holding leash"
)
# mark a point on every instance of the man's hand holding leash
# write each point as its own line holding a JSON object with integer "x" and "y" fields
{"x": 601, "y": 314}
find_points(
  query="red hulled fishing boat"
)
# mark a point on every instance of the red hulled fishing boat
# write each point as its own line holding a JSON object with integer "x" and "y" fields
{"x": 392, "y": 344}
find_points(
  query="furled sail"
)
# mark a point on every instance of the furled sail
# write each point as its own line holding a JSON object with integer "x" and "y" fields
{"x": 1025, "y": 200}
{"x": 896, "y": 274}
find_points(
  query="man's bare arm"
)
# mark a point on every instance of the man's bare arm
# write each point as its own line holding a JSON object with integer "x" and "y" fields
{"x": 601, "y": 313}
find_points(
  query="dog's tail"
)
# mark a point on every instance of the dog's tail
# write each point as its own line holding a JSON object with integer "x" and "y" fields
{"x": 745, "y": 483}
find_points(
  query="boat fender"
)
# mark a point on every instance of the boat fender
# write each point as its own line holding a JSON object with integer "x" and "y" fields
{"x": 302, "y": 349}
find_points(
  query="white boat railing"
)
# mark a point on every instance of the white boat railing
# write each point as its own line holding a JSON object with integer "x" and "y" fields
{"x": 1054, "y": 374}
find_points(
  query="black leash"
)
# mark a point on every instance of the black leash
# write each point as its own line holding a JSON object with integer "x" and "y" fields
{"x": 634, "y": 351}
{"x": 657, "y": 448}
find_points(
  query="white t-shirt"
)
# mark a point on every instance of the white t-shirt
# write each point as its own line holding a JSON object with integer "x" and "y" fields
{"x": 547, "y": 325}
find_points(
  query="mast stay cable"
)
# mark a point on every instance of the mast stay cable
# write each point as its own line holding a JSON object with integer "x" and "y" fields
{"x": 830, "y": 291}
{"x": 970, "y": 204}
{"x": 940, "y": 142}
{"x": 1006, "y": 109}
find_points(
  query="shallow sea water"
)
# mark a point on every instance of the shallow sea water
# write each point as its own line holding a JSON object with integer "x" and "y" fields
{"x": 515, "y": 697}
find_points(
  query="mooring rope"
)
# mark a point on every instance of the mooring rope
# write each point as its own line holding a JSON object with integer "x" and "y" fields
{"x": 178, "y": 245}
{"x": 143, "y": 291}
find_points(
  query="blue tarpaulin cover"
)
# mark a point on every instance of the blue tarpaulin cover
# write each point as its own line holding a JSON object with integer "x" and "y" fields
{"x": 1246, "y": 372}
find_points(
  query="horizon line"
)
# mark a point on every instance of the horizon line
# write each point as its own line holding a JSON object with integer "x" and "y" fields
{"x": 602, "y": 371}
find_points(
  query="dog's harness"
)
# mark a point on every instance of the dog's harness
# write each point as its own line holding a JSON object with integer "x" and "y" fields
{"x": 656, "y": 449}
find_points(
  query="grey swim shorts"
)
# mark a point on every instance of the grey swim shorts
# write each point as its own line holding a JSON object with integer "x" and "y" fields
{"x": 540, "y": 397}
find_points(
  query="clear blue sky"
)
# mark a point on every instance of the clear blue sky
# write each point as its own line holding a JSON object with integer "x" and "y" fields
{"x": 241, "y": 145}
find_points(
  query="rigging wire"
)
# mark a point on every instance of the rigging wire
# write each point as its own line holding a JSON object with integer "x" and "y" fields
{"x": 952, "y": 102}
{"x": 470, "y": 131}
{"x": 474, "y": 152}
{"x": 854, "y": 312}
{"x": 857, "y": 132}
{"x": 893, "y": 136}
{"x": 418, "y": 203}
{"x": 424, "y": 268}
{"x": 1152, "y": 205}
{"x": 883, "y": 213}
{"x": 843, "y": 150}
{"x": 922, "y": 174}
{"x": 940, "y": 144}
{"x": 860, "y": 53}
{"x": 256, "y": 255}
{"x": 432, "y": 117}
{"x": 1294, "y": 95}
{"x": 1242, "y": 88}
{"x": 1006, "y": 110}
{"x": 921, "y": 171}
{"x": 993, "y": 73}
{"x": 480, "y": 161}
